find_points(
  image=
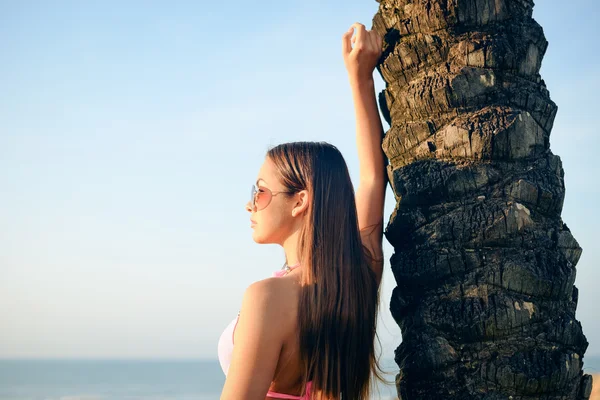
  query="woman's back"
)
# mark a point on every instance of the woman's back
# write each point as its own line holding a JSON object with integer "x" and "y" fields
{"x": 284, "y": 288}
{"x": 288, "y": 373}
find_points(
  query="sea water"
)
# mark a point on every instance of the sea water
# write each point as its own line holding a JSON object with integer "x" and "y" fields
{"x": 134, "y": 380}
{"x": 117, "y": 380}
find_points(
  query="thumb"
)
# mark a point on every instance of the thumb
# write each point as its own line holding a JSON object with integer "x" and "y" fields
{"x": 346, "y": 44}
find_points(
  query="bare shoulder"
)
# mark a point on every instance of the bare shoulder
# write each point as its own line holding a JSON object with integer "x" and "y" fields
{"x": 271, "y": 297}
{"x": 270, "y": 287}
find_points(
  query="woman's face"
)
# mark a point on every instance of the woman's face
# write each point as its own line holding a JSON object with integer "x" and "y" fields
{"x": 275, "y": 222}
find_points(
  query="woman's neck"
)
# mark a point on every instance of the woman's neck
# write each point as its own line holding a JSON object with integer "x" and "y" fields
{"x": 290, "y": 247}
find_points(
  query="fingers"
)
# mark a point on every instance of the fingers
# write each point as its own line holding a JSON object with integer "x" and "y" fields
{"x": 346, "y": 44}
{"x": 359, "y": 27}
{"x": 363, "y": 40}
{"x": 361, "y": 32}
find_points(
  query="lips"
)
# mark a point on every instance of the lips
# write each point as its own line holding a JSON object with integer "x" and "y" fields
{"x": 253, "y": 221}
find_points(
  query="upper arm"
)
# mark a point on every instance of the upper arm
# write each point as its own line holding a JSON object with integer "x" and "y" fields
{"x": 370, "y": 198}
{"x": 257, "y": 344}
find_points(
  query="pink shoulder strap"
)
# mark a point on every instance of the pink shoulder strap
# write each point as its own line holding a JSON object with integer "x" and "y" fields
{"x": 289, "y": 396}
{"x": 283, "y": 396}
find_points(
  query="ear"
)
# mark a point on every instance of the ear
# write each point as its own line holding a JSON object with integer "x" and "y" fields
{"x": 301, "y": 203}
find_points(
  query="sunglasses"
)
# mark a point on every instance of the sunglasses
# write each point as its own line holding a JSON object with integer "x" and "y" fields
{"x": 261, "y": 198}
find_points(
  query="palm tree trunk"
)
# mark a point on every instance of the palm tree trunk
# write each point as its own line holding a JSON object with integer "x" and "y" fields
{"x": 483, "y": 262}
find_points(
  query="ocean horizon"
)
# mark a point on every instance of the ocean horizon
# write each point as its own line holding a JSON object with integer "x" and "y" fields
{"x": 121, "y": 379}
{"x": 136, "y": 379}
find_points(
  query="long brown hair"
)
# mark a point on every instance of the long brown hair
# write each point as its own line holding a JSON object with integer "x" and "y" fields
{"x": 338, "y": 305}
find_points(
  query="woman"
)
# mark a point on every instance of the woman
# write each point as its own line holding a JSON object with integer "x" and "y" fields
{"x": 308, "y": 332}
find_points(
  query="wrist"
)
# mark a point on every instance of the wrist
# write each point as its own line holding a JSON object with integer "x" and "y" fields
{"x": 357, "y": 82}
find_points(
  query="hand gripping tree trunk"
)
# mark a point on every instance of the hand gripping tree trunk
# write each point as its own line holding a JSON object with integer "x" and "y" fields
{"x": 484, "y": 264}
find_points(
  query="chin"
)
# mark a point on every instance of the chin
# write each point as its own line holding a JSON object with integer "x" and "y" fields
{"x": 257, "y": 237}
{"x": 260, "y": 239}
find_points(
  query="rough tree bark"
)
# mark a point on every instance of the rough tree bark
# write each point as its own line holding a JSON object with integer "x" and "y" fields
{"x": 484, "y": 264}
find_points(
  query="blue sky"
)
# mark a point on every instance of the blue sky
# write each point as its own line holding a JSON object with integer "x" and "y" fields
{"x": 130, "y": 135}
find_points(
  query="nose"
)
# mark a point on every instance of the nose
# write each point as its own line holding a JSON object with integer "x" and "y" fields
{"x": 249, "y": 207}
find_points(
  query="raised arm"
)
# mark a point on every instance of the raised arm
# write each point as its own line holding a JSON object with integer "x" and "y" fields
{"x": 360, "y": 62}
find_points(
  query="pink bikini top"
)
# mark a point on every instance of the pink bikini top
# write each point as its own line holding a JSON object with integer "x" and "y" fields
{"x": 226, "y": 348}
